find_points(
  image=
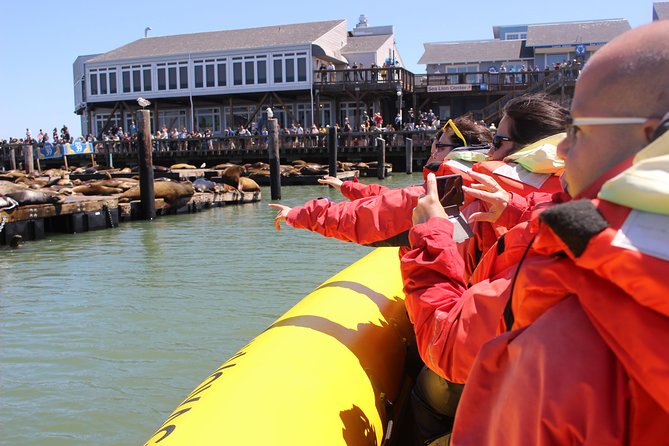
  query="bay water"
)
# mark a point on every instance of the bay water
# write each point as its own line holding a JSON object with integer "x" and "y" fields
{"x": 103, "y": 334}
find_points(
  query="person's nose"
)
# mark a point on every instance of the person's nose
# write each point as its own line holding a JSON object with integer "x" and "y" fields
{"x": 563, "y": 148}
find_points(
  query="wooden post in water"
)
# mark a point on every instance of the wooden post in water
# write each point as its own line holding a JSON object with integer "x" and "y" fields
{"x": 274, "y": 158}
{"x": 12, "y": 158}
{"x": 146, "y": 191}
{"x": 408, "y": 144}
{"x": 332, "y": 151}
{"x": 381, "y": 151}
{"x": 28, "y": 158}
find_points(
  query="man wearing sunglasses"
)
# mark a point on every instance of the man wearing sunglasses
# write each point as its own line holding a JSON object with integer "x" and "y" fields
{"x": 587, "y": 298}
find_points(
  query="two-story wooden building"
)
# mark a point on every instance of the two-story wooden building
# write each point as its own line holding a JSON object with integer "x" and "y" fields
{"x": 216, "y": 80}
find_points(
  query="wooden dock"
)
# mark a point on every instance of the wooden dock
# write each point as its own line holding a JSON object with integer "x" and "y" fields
{"x": 88, "y": 213}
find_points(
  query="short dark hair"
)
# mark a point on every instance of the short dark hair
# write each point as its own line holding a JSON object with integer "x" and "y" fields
{"x": 534, "y": 117}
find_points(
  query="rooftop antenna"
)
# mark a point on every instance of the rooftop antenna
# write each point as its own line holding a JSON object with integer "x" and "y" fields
{"x": 146, "y": 31}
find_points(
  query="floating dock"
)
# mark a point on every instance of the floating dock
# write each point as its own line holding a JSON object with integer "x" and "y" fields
{"x": 88, "y": 213}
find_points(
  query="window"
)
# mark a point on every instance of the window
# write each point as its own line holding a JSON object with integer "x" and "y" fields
{"x": 210, "y": 73}
{"x": 172, "y": 119}
{"x": 208, "y": 118}
{"x": 125, "y": 80}
{"x": 237, "y": 73}
{"x": 101, "y": 119}
{"x": 183, "y": 76}
{"x": 249, "y": 68}
{"x": 136, "y": 81}
{"x": 135, "y": 78}
{"x": 290, "y": 67}
{"x": 278, "y": 71}
{"x": 162, "y": 80}
{"x": 172, "y": 75}
{"x": 103, "y": 81}
{"x": 199, "y": 76}
{"x": 146, "y": 70}
{"x": 94, "y": 83}
{"x": 302, "y": 69}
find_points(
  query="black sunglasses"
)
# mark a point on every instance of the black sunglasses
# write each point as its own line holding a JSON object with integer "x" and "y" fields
{"x": 498, "y": 139}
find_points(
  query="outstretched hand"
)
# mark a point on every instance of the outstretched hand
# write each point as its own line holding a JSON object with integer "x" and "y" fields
{"x": 428, "y": 205}
{"x": 282, "y": 213}
{"x": 491, "y": 193}
{"x": 331, "y": 181}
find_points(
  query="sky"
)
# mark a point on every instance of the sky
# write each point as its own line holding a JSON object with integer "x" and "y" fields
{"x": 39, "y": 40}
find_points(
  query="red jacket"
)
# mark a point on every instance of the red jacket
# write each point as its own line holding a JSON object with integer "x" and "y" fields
{"x": 588, "y": 362}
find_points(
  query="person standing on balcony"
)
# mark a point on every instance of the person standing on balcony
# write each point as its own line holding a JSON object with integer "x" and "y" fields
{"x": 331, "y": 74}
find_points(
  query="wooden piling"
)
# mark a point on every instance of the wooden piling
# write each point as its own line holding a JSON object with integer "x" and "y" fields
{"x": 146, "y": 191}
{"x": 332, "y": 151}
{"x": 28, "y": 163}
{"x": 381, "y": 152}
{"x": 408, "y": 144}
{"x": 12, "y": 158}
{"x": 274, "y": 158}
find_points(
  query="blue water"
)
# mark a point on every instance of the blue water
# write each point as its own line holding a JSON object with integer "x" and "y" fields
{"x": 102, "y": 334}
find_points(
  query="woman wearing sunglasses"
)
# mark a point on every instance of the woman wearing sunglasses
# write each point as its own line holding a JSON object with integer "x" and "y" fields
{"x": 376, "y": 215}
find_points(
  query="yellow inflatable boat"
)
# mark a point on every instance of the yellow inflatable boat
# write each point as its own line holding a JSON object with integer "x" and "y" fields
{"x": 333, "y": 370}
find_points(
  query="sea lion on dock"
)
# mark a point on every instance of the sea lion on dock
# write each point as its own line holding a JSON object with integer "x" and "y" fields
{"x": 7, "y": 203}
{"x": 232, "y": 174}
{"x": 96, "y": 189}
{"x": 246, "y": 184}
{"x": 28, "y": 196}
{"x": 171, "y": 191}
{"x": 182, "y": 166}
{"x": 204, "y": 185}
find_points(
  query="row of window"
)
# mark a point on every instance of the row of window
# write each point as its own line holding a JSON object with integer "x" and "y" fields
{"x": 217, "y": 119}
{"x": 206, "y": 73}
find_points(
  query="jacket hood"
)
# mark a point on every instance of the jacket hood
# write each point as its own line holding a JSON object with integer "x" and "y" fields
{"x": 645, "y": 185}
{"x": 540, "y": 156}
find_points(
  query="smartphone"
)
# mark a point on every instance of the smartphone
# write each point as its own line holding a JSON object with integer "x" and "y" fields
{"x": 449, "y": 188}
{"x": 451, "y": 196}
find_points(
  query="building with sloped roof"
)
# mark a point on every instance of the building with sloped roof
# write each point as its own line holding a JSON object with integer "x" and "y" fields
{"x": 660, "y": 11}
{"x": 226, "y": 78}
{"x": 464, "y": 75}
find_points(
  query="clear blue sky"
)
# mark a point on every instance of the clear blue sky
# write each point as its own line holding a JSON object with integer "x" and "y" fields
{"x": 39, "y": 40}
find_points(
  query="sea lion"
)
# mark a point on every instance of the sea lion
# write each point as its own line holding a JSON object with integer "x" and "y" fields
{"x": 182, "y": 166}
{"x": 96, "y": 189}
{"x": 246, "y": 184}
{"x": 232, "y": 174}
{"x": 313, "y": 169}
{"x": 204, "y": 185}
{"x": 223, "y": 166}
{"x": 7, "y": 203}
{"x": 170, "y": 191}
{"x": 28, "y": 196}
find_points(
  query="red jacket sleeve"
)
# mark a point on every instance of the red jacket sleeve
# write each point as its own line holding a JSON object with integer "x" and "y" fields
{"x": 363, "y": 221}
{"x": 451, "y": 321}
{"x": 520, "y": 209}
{"x": 354, "y": 190}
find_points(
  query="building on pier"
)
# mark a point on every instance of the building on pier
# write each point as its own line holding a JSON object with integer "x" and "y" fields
{"x": 228, "y": 78}
{"x": 471, "y": 75}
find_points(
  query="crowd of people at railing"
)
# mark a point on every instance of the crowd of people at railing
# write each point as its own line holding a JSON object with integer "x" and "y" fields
{"x": 357, "y": 72}
{"x": 116, "y": 139}
{"x": 511, "y": 74}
